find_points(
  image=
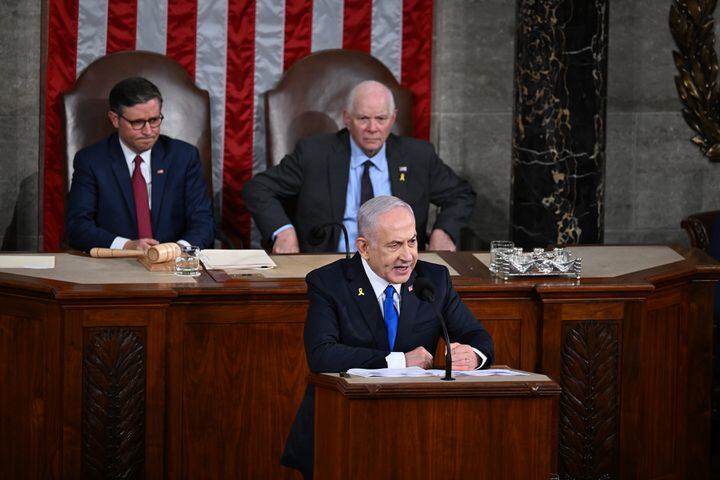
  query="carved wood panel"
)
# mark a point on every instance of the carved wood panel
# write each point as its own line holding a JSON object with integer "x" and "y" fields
{"x": 589, "y": 402}
{"x": 23, "y": 408}
{"x": 512, "y": 325}
{"x": 113, "y": 420}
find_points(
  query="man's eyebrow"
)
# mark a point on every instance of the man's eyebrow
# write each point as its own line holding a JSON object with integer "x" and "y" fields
{"x": 401, "y": 241}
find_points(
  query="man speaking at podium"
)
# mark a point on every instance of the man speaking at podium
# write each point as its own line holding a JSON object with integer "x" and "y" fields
{"x": 362, "y": 313}
{"x": 138, "y": 188}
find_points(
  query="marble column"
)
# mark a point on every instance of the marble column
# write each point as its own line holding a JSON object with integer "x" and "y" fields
{"x": 558, "y": 150}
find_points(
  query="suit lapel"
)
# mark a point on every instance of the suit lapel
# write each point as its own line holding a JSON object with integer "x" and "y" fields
{"x": 338, "y": 169}
{"x": 362, "y": 293}
{"x": 397, "y": 168}
{"x": 159, "y": 171}
{"x": 409, "y": 305}
{"x": 122, "y": 176}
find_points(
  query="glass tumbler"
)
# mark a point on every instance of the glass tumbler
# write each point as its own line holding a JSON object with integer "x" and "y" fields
{"x": 188, "y": 262}
{"x": 499, "y": 246}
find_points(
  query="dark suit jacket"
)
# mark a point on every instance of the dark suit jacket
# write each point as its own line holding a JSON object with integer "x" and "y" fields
{"x": 346, "y": 330}
{"x": 315, "y": 178}
{"x": 101, "y": 205}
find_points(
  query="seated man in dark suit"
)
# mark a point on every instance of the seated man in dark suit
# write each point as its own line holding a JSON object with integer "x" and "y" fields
{"x": 328, "y": 177}
{"x": 362, "y": 314}
{"x": 138, "y": 188}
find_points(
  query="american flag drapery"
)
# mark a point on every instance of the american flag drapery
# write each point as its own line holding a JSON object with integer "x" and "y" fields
{"x": 236, "y": 49}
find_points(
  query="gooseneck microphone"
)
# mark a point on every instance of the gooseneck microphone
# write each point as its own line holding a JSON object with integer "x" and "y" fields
{"x": 425, "y": 291}
{"x": 318, "y": 235}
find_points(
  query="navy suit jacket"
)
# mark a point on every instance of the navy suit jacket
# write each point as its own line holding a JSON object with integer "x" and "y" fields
{"x": 309, "y": 188}
{"x": 345, "y": 329}
{"x": 101, "y": 205}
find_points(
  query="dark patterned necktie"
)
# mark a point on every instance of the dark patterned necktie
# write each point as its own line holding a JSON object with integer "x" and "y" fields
{"x": 142, "y": 207}
{"x": 366, "y": 188}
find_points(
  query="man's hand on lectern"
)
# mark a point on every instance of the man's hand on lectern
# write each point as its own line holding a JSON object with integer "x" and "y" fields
{"x": 419, "y": 358}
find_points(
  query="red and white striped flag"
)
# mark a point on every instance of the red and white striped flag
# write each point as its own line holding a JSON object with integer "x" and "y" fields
{"x": 235, "y": 49}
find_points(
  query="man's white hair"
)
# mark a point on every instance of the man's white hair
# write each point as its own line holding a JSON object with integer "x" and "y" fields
{"x": 375, "y": 207}
{"x": 366, "y": 86}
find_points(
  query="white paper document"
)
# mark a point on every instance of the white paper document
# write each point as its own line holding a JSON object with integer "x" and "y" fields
{"x": 249, "y": 259}
{"x": 419, "y": 372}
{"x": 27, "y": 261}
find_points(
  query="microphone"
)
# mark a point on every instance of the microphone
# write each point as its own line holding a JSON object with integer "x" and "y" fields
{"x": 318, "y": 234}
{"x": 425, "y": 291}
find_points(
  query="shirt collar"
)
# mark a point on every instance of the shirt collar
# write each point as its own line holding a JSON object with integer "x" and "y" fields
{"x": 378, "y": 283}
{"x": 130, "y": 155}
{"x": 358, "y": 157}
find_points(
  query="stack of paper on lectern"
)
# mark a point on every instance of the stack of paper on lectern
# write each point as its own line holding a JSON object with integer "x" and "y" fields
{"x": 240, "y": 259}
{"x": 419, "y": 372}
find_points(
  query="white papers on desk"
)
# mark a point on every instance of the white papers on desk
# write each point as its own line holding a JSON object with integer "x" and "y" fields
{"x": 390, "y": 372}
{"x": 419, "y": 372}
{"x": 490, "y": 372}
{"x": 240, "y": 259}
{"x": 27, "y": 261}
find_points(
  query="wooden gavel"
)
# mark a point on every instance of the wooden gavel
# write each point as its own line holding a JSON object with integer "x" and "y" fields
{"x": 155, "y": 254}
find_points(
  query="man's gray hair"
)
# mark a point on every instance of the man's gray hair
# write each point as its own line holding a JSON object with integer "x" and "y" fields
{"x": 365, "y": 85}
{"x": 373, "y": 208}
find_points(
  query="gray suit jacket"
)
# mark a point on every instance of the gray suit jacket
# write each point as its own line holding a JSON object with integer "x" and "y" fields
{"x": 309, "y": 186}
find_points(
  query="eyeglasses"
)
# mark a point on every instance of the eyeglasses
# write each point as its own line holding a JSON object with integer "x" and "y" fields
{"x": 154, "y": 122}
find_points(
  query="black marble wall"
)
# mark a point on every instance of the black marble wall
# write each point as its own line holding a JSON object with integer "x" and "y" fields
{"x": 558, "y": 144}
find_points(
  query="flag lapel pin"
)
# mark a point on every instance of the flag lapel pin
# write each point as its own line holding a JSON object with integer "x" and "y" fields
{"x": 403, "y": 171}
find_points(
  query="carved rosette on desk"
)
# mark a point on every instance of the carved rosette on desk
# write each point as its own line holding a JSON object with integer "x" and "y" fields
{"x": 113, "y": 423}
{"x": 589, "y": 402}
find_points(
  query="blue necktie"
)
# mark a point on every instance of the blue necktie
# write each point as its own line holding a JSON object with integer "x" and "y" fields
{"x": 391, "y": 315}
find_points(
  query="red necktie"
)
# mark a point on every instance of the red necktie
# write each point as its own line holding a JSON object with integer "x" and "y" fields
{"x": 142, "y": 207}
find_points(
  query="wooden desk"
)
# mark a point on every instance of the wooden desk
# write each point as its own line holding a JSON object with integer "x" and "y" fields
{"x": 181, "y": 380}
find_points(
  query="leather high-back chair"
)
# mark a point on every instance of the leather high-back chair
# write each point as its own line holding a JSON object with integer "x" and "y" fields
{"x": 699, "y": 227}
{"x": 311, "y": 96}
{"x": 186, "y": 107}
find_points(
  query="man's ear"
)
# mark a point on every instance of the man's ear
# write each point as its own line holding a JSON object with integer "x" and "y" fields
{"x": 114, "y": 119}
{"x": 346, "y": 118}
{"x": 362, "y": 247}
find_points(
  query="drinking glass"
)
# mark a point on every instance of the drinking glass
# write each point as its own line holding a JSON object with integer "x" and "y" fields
{"x": 188, "y": 262}
{"x": 499, "y": 246}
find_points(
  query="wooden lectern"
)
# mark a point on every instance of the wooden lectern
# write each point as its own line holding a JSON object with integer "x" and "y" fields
{"x": 423, "y": 427}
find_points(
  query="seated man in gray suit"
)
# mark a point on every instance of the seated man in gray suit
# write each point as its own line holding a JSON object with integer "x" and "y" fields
{"x": 329, "y": 176}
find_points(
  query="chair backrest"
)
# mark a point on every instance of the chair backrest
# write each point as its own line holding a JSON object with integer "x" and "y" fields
{"x": 310, "y": 98}
{"x": 186, "y": 107}
{"x": 699, "y": 227}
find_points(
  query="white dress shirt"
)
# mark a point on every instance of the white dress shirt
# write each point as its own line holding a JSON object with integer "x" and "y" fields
{"x": 119, "y": 242}
{"x": 379, "y": 284}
